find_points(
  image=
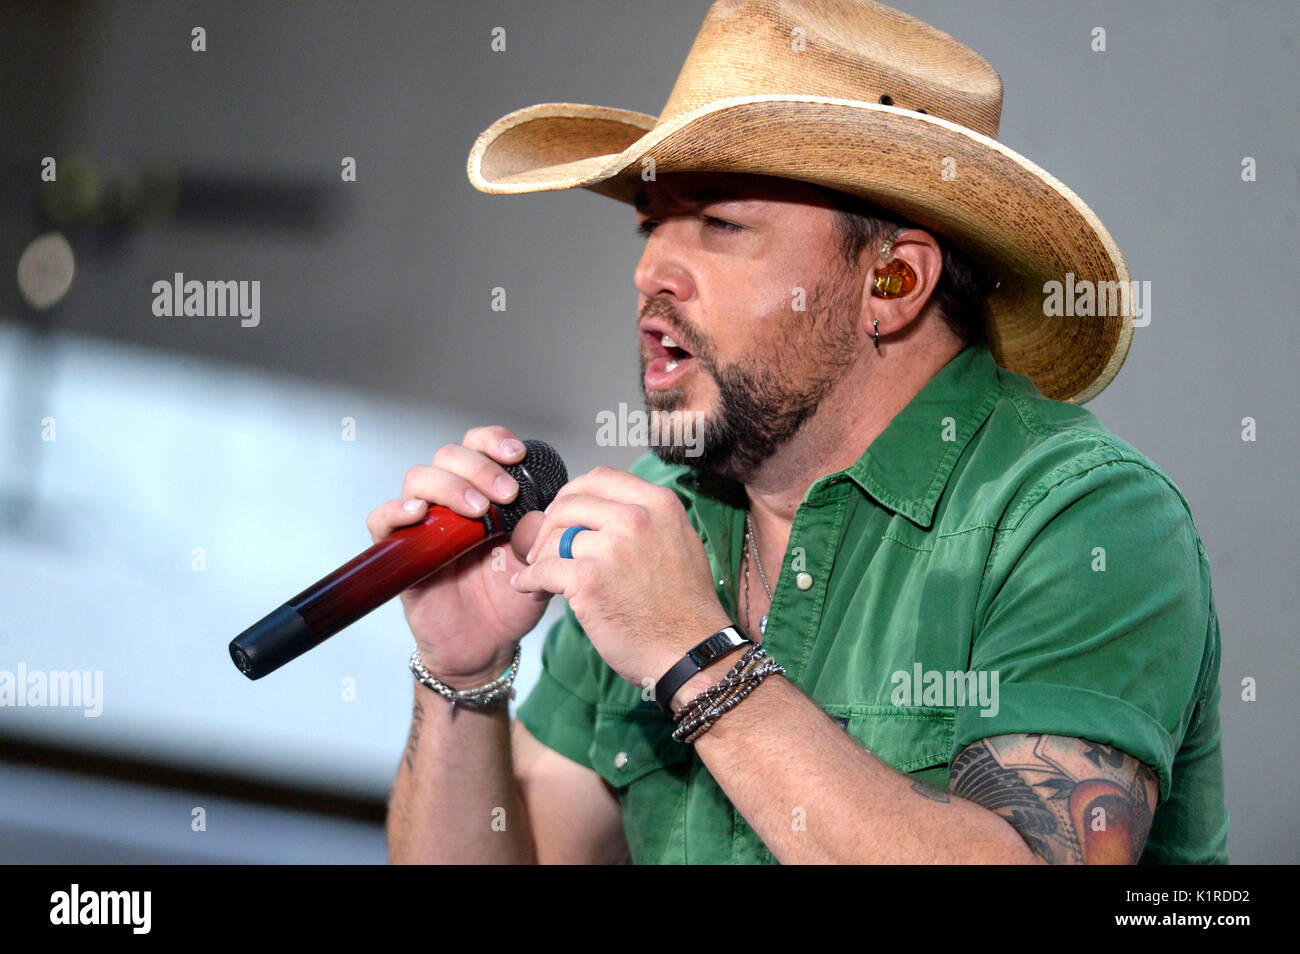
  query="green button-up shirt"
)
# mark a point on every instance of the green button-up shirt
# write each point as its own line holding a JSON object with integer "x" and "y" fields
{"x": 986, "y": 531}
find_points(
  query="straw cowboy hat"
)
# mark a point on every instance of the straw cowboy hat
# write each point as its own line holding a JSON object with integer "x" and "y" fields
{"x": 857, "y": 97}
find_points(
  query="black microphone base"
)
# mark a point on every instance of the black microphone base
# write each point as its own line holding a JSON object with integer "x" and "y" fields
{"x": 277, "y": 638}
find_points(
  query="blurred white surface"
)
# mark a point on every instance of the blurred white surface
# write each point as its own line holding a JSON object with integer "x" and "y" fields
{"x": 155, "y": 456}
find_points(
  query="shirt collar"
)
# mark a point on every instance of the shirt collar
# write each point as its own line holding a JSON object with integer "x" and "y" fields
{"x": 907, "y": 466}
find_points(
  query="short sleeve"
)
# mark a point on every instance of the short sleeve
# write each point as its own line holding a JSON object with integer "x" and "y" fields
{"x": 560, "y": 711}
{"x": 1094, "y": 614}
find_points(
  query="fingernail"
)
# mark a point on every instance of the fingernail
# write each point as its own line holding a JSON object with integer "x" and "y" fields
{"x": 515, "y": 577}
{"x": 505, "y": 485}
{"x": 529, "y": 558}
{"x": 476, "y": 499}
{"x": 511, "y": 447}
{"x": 412, "y": 505}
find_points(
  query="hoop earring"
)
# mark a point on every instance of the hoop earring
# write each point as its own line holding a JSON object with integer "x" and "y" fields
{"x": 896, "y": 278}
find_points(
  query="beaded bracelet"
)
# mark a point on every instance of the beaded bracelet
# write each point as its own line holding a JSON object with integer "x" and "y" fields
{"x": 480, "y": 696}
{"x": 699, "y": 714}
{"x": 732, "y": 701}
{"x": 693, "y": 728}
{"x": 724, "y": 690}
{"x": 717, "y": 694}
{"x": 724, "y": 686}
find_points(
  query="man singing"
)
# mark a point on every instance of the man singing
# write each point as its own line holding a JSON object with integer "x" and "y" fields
{"x": 908, "y": 602}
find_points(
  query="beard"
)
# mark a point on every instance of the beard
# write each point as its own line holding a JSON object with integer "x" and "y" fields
{"x": 762, "y": 404}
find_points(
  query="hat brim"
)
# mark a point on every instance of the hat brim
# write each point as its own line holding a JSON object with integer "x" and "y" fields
{"x": 1021, "y": 223}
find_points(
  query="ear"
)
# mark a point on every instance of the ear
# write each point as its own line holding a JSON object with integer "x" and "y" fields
{"x": 920, "y": 252}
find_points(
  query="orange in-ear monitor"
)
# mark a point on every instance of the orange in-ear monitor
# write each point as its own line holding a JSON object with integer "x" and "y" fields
{"x": 894, "y": 279}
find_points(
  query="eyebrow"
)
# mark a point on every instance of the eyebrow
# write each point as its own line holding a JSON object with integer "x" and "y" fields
{"x": 702, "y": 195}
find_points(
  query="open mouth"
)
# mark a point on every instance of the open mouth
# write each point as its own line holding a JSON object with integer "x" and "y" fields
{"x": 668, "y": 359}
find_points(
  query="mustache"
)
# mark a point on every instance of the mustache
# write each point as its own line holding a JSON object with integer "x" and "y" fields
{"x": 682, "y": 333}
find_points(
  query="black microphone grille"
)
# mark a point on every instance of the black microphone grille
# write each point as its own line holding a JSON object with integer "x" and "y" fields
{"x": 540, "y": 476}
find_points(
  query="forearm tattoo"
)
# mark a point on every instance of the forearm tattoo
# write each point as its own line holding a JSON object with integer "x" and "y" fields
{"x": 930, "y": 792}
{"x": 1073, "y": 801}
{"x": 413, "y": 741}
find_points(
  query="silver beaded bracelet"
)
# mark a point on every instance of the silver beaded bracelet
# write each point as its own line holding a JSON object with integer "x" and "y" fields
{"x": 698, "y": 716}
{"x": 499, "y": 688}
{"x": 691, "y": 730}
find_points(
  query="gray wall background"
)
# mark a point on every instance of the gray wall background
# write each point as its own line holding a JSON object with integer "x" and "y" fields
{"x": 383, "y": 285}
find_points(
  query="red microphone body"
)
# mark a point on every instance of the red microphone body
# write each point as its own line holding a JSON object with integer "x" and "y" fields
{"x": 402, "y": 559}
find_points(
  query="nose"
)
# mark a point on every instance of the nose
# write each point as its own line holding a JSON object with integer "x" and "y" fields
{"x": 662, "y": 273}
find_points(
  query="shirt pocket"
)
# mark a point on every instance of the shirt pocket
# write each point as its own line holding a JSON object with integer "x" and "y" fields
{"x": 916, "y": 740}
{"x": 634, "y": 752}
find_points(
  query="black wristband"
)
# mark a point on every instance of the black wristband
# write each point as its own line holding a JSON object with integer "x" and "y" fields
{"x": 705, "y": 654}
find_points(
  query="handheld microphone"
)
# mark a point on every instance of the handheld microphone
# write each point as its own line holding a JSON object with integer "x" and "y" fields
{"x": 402, "y": 559}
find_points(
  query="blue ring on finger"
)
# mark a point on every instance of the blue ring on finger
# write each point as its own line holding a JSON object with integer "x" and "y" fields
{"x": 566, "y": 541}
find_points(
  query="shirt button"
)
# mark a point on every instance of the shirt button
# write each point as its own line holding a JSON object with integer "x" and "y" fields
{"x": 620, "y": 760}
{"x": 804, "y": 581}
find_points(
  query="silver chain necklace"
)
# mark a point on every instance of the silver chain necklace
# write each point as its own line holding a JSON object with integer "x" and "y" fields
{"x": 751, "y": 540}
